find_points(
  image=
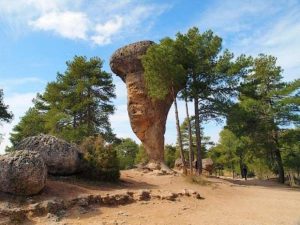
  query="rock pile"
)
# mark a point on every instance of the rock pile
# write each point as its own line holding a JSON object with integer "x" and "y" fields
{"x": 58, "y": 207}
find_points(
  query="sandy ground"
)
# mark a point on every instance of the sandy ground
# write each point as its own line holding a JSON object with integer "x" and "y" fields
{"x": 225, "y": 201}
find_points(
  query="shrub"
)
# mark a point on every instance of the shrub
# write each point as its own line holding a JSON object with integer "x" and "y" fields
{"x": 100, "y": 160}
{"x": 126, "y": 152}
{"x": 141, "y": 156}
{"x": 170, "y": 155}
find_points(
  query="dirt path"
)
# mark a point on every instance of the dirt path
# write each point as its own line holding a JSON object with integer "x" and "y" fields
{"x": 225, "y": 202}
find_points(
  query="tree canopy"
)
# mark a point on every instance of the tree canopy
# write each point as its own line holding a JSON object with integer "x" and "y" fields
{"x": 75, "y": 106}
{"x": 5, "y": 115}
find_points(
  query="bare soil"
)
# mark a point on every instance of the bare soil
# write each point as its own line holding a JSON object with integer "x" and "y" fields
{"x": 225, "y": 201}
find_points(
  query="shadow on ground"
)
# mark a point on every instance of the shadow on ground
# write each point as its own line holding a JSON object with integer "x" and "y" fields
{"x": 269, "y": 183}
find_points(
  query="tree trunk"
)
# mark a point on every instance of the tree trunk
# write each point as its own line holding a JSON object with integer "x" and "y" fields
{"x": 179, "y": 135}
{"x": 191, "y": 152}
{"x": 198, "y": 136}
{"x": 241, "y": 165}
{"x": 278, "y": 158}
{"x": 232, "y": 168}
{"x": 89, "y": 119}
{"x": 74, "y": 121}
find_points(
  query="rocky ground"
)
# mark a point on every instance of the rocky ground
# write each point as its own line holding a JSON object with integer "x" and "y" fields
{"x": 150, "y": 198}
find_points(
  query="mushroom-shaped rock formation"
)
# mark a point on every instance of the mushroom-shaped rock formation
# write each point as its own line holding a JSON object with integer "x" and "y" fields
{"x": 147, "y": 116}
{"x": 61, "y": 157}
{"x": 22, "y": 173}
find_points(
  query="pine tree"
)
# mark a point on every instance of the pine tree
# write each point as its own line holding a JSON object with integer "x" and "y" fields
{"x": 163, "y": 75}
{"x": 212, "y": 78}
{"x": 77, "y": 105}
{"x": 267, "y": 105}
{"x": 5, "y": 115}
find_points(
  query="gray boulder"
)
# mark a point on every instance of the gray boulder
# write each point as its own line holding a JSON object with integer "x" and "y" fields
{"x": 22, "y": 173}
{"x": 207, "y": 164}
{"x": 61, "y": 157}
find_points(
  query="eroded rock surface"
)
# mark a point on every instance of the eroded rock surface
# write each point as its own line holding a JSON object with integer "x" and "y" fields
{"x": 207, "y": 164}
{"x": 61, "y": 157}
{"x": 22, "y": 173}
{"x": 147, "y": 116}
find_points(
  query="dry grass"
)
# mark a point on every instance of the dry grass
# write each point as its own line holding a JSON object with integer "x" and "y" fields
{"x": 200, "y": 180}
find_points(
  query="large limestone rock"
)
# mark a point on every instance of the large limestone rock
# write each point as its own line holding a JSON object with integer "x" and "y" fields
{"x": 60, "y": 157}
{"x": 147, "y": 116}
{"x": 22, "y": 173}
{"x": 207, "y": 164}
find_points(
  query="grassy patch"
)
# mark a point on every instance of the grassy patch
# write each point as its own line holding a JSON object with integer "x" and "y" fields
{"x": 200, "y": 180}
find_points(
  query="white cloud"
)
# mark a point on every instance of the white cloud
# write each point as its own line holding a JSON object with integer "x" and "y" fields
{"x": 104, "y": 32}
{"x": 72, "y": 25}
{"x": 99, "y": 22}
{"x": 254, "y": 27}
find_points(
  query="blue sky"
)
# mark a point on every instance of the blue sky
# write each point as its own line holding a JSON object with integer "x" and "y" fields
{"x": 39, "y": 36}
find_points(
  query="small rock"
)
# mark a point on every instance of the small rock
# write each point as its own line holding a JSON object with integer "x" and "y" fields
{"x": 170, "y": 196}
{"x": 198, "y": 196}
{"x": 83, "y": 210}
{"x": 83, "y": 202}
{"x": 144, "y": 195}
{"x": 52, "y": 217}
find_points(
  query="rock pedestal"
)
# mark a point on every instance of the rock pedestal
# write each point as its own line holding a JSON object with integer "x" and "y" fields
{"x": 22, "y": 173}
{"x": 147, "y": 116}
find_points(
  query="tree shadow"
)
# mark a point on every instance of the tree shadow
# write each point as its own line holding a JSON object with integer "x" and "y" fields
{"x": 269, "y": 183}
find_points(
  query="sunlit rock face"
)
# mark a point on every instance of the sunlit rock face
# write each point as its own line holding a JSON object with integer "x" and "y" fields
{"x": 22, "y": 173}
{"x": 147, "y": 116}
{"x": 61, "y": 157}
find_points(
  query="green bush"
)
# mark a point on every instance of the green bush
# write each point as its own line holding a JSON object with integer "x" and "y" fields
{"x": 141, "y": 156}
{"x": 126, "y": 152}
{"x": 170, "y": 155}
{"x": 100, "y": 160}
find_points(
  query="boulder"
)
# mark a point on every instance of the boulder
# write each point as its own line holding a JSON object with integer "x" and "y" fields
{"x": 207, "y": 164}
{"x": 61, "y": 157}
{"x": 22, "y": 173}
{"x": 178, "y": 163}
{"x": 147, "y": 116}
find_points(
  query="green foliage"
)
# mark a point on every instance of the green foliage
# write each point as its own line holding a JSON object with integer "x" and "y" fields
{"x": 226, "y": 152}
{"x": 260, "y": 168}
{"x": 290, "y": 141}
{"x": 126, "y": 152}
{"x": 75, "y": 106}
{"x": 31, "y": 124}
{"x": 100, "y": 161}
{"x": 170, "y": 155}
{"x": 213, "y": 76}
{"x": 141, "y": 156}
{"x": 163, "y": 69}
{"x": 205, "y": 142}
{"x": 266, "y": 105}
{"x": 5, "y": 115}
